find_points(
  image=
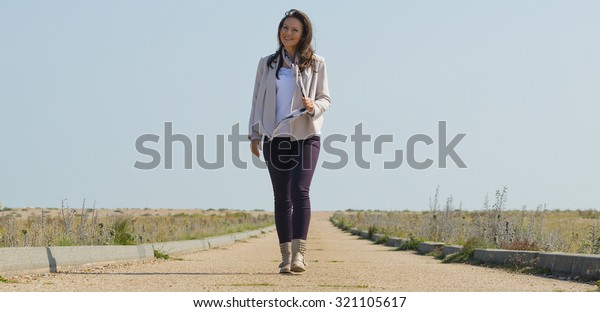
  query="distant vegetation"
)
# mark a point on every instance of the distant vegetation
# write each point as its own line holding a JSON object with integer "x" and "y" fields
{"x": 541, "y": 229}
{"x": 71, "y": 227}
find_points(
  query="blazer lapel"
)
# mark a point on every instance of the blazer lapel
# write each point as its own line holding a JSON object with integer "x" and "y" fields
{"x": 270, "y": 99}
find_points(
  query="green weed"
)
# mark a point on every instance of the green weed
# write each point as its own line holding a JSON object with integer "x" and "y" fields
{"x": 122, "y": 232}
{"x": 6, "y": 280}
{"x": 465, "y": 255}
{"x": 381, "y": 240}
{"x": 161, "y": 255}
{"x": 411, "y": 244}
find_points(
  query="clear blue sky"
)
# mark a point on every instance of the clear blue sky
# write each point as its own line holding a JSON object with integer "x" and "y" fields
{"x": 80, "y": 81}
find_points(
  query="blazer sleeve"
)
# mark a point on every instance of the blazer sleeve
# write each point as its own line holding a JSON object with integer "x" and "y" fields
{"x": 322, "y": 99}
{"x": 253, "y": 125}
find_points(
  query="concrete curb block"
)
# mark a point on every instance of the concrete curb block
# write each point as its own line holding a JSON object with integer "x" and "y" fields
{"x": 427, "y": 247}
{"x": 506, "y": 257}
{"x": 176, "y": 247}
{"x": 574, "y": 265}
{"x": 450, "y": 249}
{"x": 25, "y": 260}
{"x": 581, "y": 265}
{"x": 354, "y": 231}
{"x": 50, "y": 259}
{"x": 249, "y": 234}
{"x": 172, "y": 248}
{"x": 219, "y": 241}
{"x": 364, "y": 234}
{"x": 586, "y": 265}
{"x": 377, "y": 237}
{"x": 395, "y": 241}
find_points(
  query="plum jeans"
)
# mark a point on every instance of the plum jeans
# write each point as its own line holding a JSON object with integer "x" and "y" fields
{"x": 291, "y": 167}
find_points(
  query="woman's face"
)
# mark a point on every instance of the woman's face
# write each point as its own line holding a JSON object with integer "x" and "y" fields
{"x": 290, "y": 32}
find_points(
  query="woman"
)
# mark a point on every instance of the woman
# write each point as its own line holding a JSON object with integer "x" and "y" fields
{"x": 293, "y": 79}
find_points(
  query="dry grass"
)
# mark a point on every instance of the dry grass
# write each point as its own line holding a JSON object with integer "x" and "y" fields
{"x": 70, "y": 227}
{"x": 540, "y": 229}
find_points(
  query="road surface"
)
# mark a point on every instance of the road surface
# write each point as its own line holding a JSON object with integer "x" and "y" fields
{"x": 337, "y": 261}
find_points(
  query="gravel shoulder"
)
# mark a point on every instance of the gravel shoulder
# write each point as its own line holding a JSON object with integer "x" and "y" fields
{"x": 337, "y": 261}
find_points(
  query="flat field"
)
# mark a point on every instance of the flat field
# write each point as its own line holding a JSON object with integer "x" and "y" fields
{"x": 21, "y": 227}
{"x": 572, "y": 231}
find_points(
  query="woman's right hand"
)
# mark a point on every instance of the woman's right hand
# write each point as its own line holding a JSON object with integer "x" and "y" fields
{"x": 256, "y": 147}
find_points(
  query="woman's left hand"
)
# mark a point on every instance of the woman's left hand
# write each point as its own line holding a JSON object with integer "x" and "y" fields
{"x": 308, "y": 104}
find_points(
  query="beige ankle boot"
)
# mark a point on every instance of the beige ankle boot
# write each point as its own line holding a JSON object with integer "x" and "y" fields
{"x": 298, "y": 251}
{"x": 286, "y": 257}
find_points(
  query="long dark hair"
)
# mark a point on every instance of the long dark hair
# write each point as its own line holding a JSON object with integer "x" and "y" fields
{"x": 304, "y": 51}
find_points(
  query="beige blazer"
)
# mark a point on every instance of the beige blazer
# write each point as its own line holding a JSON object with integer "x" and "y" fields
{"x": 262, "y": 115}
